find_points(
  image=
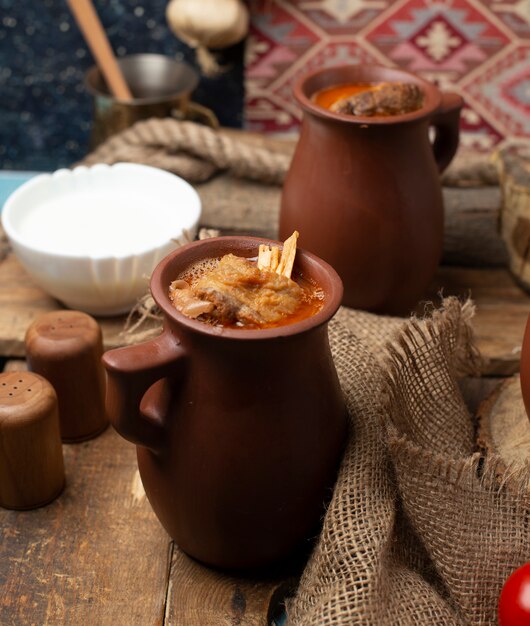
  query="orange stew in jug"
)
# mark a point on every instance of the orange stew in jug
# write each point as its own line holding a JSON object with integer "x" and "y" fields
{"x": 371, "y": 99}
{"x": 236, "y": 292}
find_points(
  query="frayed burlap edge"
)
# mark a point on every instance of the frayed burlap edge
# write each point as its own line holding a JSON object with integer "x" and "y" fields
{"x": 425, "y": 358}
{"x": 357, "y": 573}
{"x": 452, "y": 321}
{"x": 433, "y": 582}
{"x": 466, "y": 508}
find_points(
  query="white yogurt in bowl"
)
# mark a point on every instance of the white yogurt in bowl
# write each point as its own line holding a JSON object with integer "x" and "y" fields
{"x": 92, "y": 236}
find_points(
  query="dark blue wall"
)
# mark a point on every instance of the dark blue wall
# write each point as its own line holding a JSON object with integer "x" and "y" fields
{"x": 45, "y": 111}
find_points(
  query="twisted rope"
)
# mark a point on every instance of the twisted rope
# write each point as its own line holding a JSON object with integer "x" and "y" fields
{"x": 191, "y": 150}
{"x": 197, "y": 152}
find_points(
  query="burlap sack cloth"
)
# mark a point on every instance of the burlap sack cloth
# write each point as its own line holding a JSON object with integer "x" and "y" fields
{"x": 421, "y": 529}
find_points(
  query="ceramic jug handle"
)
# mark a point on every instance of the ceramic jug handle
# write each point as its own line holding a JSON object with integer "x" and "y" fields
{"x": 130, "y": 372}
{"x": 446, "y": 122}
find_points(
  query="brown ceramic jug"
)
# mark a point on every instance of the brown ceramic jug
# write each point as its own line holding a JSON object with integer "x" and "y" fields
{"x": 239, "y": 432}
{"x": 365, "y": 193}
{"x": 525, "y": 368}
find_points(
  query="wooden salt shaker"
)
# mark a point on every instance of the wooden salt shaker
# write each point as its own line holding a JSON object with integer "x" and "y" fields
{"x": 66, "y": 348}
{"x": 31, "y": 455}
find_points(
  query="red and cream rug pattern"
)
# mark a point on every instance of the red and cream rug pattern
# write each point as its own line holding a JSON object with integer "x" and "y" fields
{"x": 481, "y": 50}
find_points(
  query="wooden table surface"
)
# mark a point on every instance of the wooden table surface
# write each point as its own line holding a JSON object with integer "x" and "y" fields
{"x": 97, "y": 555}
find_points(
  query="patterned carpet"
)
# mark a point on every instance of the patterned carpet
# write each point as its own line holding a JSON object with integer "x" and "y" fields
{"x": 481, "y": 50}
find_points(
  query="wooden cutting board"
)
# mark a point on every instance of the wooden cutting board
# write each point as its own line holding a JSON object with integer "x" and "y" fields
{"x": 504, "y": 427}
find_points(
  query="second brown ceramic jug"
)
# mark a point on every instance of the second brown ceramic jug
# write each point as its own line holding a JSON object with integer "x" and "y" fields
{"x": 239, "y": 432}
{"x": 525, "y": 368}
{"x": 365, "y": 193}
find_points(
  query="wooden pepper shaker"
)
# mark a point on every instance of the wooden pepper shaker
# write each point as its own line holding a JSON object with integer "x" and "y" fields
{"x": 66, "y": 348}
{"x": 31, "y": 455}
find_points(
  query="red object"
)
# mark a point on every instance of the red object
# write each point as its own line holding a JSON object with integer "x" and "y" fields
{"x": 514, "y": 601}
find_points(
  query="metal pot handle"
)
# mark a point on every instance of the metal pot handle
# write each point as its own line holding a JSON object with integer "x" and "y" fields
{"x": 195, "y": 112}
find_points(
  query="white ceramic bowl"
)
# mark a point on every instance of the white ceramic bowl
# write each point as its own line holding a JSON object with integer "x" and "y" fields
{"x": 91, "y": 236}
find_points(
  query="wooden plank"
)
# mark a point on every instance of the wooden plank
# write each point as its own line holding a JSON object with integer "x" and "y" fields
{"x": 471, "y": 237}
{"x": 96, "y": 555}
{"x": 502, "y": 312}
{"x": 22, "y": 301}
{"x": 229, "y": 203}
{"x": 200, "y": 596}
{"x": 471, "y": 234}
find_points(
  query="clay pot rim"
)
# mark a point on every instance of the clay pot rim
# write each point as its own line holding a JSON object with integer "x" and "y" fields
{"x": 161, "y": 279}
{"x": 431, "y": 103}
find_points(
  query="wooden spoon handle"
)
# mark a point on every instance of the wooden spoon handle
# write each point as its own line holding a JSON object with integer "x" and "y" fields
{"x": 96, "y": 39}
